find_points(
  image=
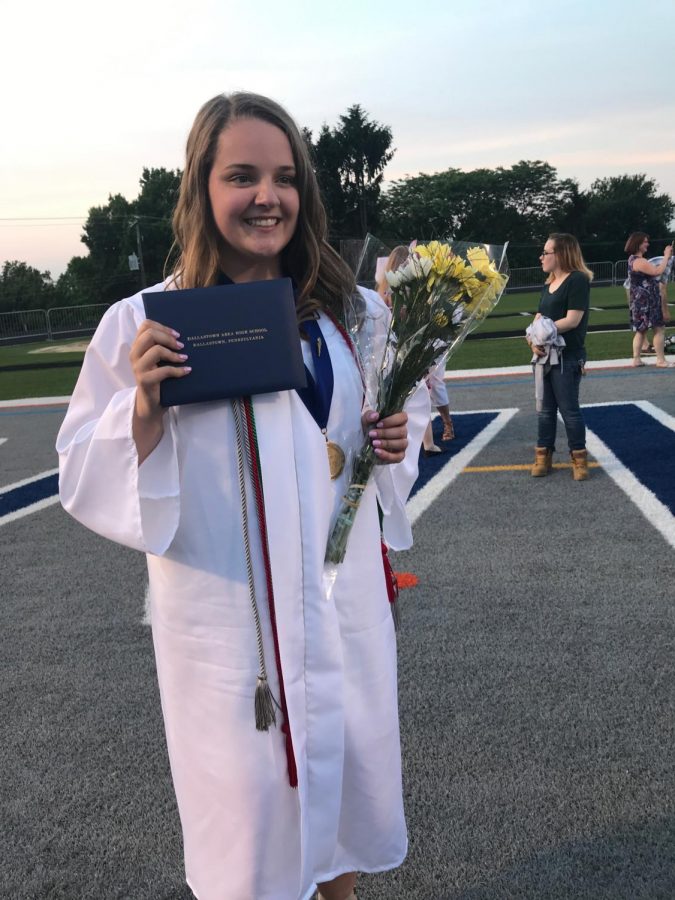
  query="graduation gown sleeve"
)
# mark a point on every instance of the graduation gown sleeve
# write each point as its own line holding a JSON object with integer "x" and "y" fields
{"x": 100, "y": 481}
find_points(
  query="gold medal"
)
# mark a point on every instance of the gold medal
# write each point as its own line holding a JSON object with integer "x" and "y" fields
{"x": 336, "y": 459}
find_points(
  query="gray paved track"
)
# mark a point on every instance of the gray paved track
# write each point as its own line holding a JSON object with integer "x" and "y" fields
{"x": 536, "y": 701}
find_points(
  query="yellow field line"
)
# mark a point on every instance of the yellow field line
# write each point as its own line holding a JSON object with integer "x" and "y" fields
{"x": 520, "y": 468}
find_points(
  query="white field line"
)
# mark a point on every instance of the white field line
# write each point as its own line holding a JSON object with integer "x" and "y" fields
{"x": 35, "y": 401}
{"x": 25, "y": 481}
{"x": 656, "y": 513}
{"x": 3, "y": 441}
{"x": 33, "y": 507}
{"x": 654, "y": 411}
{"x": 592, "y": 364}
{"x": 27, "y": 510}
{"x": 435, "y": 487}
{"x": 646, "y": 501}
{"x": 146, "y": 607}
{"x": 660, "y": 415}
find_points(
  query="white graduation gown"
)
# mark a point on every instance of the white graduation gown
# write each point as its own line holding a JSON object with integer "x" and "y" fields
{"x": 247, "y": 834}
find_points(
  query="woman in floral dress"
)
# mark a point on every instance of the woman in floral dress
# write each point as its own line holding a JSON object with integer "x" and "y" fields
{"x": 646, "y": 309}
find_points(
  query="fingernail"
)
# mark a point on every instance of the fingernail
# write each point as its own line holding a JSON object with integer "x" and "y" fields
{"x": 377, "y": 444}
{"x": 178, "y": 344}
{"x": 187, "y": 369}
{"x": 372, "y": 434}
{"x": 182, "y": 355}
{"x": 379, "y": 425}
{"x": 176, "y": 334}
{"x": 379, "y": 452}
{"x": 373, "y": 416}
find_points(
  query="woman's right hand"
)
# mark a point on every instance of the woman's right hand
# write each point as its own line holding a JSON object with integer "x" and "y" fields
{"x": 153, "y": 343}
{"x": 668, "y": 252}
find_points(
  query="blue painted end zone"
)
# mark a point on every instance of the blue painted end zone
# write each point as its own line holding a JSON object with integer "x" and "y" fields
{"x": 31, "y": 493}
{"x": 641, "y": 443}
{"x": 467, "y": 426}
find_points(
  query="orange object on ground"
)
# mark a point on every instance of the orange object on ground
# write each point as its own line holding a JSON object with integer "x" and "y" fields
{"x": 406, "y": 580}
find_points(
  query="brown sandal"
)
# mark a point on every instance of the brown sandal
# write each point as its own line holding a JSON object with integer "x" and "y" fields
{"x": 448, "y": 432}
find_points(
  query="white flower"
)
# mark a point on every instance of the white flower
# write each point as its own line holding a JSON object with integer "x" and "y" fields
{"x": 424, "y": 264}
{"x": 395, "y": 278}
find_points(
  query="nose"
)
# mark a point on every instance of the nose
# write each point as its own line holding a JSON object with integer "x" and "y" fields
{"x": 266, "y": 194}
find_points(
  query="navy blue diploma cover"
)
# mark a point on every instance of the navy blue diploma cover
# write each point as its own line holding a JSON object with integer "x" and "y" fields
{"x": 240, "y": 339}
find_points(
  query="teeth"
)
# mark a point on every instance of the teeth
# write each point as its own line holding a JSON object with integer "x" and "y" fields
{"x": 262, "y": 222}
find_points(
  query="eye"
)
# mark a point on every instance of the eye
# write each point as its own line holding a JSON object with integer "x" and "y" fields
{"x": 240, "y": 178}
{"x": 286, "y": 179}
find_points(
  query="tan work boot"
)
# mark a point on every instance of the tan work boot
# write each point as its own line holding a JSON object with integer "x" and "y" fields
{"x": 543, "y": 462}
{"x": 579, "y": 464}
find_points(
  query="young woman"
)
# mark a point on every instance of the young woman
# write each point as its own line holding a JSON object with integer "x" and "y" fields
{"x": 646, "y": 303}
{"x": 565, "y": 300}
{"x": 266, "y": 814}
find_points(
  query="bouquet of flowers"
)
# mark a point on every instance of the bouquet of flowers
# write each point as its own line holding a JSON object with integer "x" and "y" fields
{"x": 440, "y": 293}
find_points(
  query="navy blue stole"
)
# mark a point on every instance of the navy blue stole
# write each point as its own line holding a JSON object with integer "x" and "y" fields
{"x": 318, "y": 394}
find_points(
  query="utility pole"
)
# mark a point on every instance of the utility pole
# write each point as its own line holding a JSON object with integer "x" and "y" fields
{"x": 137, "y": 225}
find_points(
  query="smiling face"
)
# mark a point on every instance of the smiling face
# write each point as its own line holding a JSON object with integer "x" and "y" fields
{"x": 644, "y": 246}
{"x": 254, "y": 198}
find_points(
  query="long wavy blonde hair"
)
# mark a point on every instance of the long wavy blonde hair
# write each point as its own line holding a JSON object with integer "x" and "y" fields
{"x": 323, "y": 279}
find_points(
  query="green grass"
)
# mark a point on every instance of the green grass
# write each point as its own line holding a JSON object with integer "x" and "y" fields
{"x": 513, "y": 351}
{"x": 21, "y": 354}
{"x": 37, "y": 383}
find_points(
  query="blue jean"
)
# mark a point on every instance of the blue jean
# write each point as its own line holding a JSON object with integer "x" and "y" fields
{"x": 561, "y": 392}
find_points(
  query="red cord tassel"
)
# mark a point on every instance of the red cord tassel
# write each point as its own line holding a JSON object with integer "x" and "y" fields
{"x": 262, "y": 524}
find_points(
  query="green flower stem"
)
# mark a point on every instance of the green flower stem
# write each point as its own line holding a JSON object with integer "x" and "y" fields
{"x": 361, "y": 472}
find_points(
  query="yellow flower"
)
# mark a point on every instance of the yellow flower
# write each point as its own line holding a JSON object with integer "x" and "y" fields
{"x": 441, "y": 257}
{"x": 441, "y": 320}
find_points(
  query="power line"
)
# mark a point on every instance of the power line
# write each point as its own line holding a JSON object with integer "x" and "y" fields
{"x": 80, "y": 218}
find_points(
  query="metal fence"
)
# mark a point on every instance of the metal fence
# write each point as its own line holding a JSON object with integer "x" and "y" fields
{"x": 28, "y": 325}
{"x": 532, "y": 278}
{"x": 74, "y": 320}
{"x": 41, "y": 324}
{"x": 71, "y": 321}
{"x": 523, "y": 279}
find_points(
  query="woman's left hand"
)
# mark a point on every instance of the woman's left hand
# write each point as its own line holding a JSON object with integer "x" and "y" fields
{"x": 389, "y": 436}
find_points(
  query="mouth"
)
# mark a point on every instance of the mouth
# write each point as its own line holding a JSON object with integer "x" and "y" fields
{"x": 263, "y": 221}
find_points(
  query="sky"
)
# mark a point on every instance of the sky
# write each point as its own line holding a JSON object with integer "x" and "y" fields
{"x": 90, "y": 95}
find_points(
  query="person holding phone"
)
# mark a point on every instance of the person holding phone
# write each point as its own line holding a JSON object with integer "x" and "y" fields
{"x": 279, "y": 704}
{"x": 647, "y": 309}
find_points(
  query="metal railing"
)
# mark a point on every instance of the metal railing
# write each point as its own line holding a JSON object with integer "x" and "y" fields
{"x": 58, "y": 322}
{"x": 24, "y": 325}
{"x": 620, "y": 271}
{"x": 62, "y": 321}
{"x": 532, "y": 278}
{"x": 74, "y": 320}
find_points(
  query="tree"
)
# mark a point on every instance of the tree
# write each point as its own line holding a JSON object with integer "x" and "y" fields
{"x": 154, "y": 208}
{"x": 112, "y": 233}
{"x": 24, "y": 287}
{"x": 349, "y": 162}
{"x": 625, "y": 203}
{"x": 520, "y": 204}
